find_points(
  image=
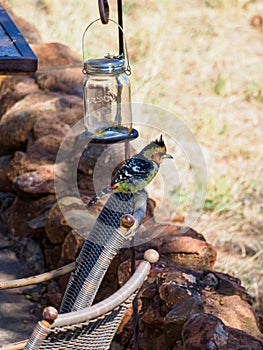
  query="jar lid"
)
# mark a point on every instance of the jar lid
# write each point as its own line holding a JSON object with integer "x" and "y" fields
{"x": 104, "y": 65}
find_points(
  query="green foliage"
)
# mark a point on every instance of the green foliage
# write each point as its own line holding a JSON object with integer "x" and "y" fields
{"x": 219, "y": 85}
{"x": 223, "y": 4}
{"x": 129, "y": 7}
{"x": 254, "y": 91}
{"x": 218, "y": 198}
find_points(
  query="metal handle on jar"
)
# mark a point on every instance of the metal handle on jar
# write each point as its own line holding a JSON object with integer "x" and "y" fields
{"x": 126, "y": 56}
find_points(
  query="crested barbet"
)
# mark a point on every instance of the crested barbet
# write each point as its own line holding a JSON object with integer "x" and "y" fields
{"x": 137, "y": 172}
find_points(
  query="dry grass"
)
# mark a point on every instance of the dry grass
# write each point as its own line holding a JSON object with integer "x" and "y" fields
{"x": 202, "y": 61}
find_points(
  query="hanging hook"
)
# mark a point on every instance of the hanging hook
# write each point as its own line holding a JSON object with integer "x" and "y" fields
{"x": 104, "y": 11}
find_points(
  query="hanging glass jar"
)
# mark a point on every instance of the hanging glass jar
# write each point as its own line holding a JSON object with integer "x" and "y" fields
{"x": 107, "y": 98}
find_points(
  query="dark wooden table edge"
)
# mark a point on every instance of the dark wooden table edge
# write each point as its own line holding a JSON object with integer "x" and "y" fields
{"x": 27, "y": 61}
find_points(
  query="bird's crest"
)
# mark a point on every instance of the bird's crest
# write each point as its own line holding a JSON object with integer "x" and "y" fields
{"x": 160, "y": 142}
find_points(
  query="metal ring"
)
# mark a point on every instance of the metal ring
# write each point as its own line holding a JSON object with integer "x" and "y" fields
{"x": 126, "y": 55}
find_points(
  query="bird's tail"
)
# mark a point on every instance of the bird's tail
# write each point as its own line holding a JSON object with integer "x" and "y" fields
{"x": 102, "y": 193}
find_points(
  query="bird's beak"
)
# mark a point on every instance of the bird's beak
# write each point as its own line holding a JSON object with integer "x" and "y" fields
{"x": 167, "y": 155}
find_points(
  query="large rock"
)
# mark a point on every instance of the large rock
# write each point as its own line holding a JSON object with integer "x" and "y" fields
{"x": 55, "y": 55}
{"x": 59, "y": 69}
{"x": 173, "y": 295}
{"x": 57, "y": 227}
{"x": 5, "y": 182}
{"x": 233, "y": 311}
{"x": 23, "y": 115}
{"x": 30, "y": 110}
{"x": 177, "y": 316}
{"x": 39, "y": 134}
{"x": 27, "y": 215}
{"x": 184, "y": 246}
{"x": 40, "y": 181}
{"x": 14, "y": 89}
{"x": 207, "y": 332}
{"x": 68, "y": 80}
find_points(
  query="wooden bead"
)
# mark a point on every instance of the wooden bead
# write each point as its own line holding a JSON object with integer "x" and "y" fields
{"x": 127, "y": 221}
{"x": 50, "y": 314}
{"x": 151, "y": 255}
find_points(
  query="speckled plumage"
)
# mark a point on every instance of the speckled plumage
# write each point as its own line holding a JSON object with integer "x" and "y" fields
{"x": 137, "y": 172}
{"x": 134, "y": 175}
